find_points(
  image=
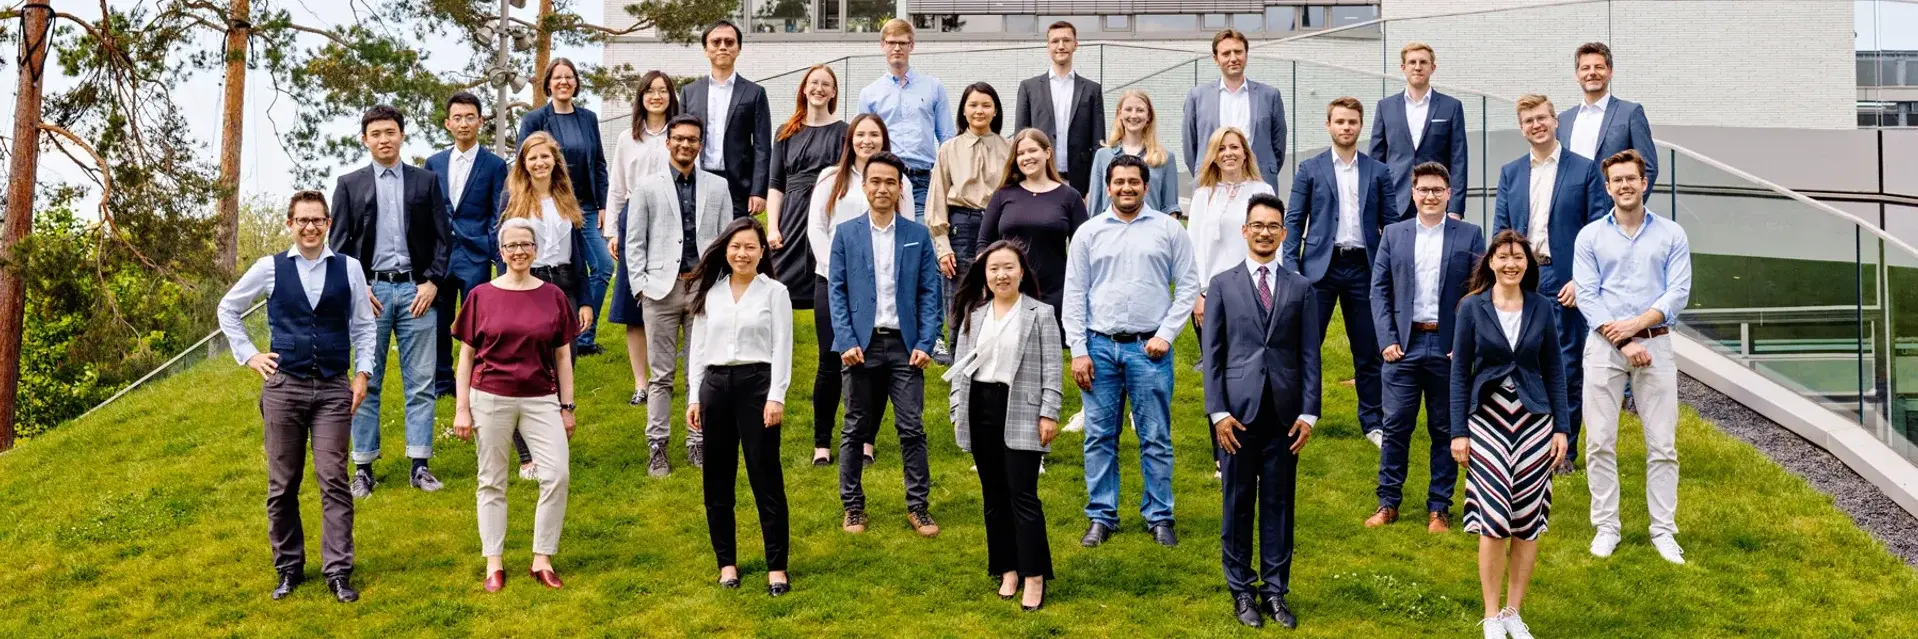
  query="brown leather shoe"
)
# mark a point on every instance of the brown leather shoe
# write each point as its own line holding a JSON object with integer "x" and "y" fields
{"x": 547, "y": 578}
{"x": 1438, "y": 522}
{"x": 855, "y": 521}
{"x": 1382, "y": 517}
{"x": 921, "y": 522}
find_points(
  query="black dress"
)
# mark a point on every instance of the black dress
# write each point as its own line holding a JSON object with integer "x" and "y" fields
{"x": 797, "y": 161}
{"x": 1044, "y": 224}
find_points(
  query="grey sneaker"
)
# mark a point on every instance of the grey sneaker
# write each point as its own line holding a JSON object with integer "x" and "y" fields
{"x": 940, "y": 353}
{"x": 696, "y": 454}
{"x": 424, "y": 480}
{"x": 657, "y": 464}
{"x": 362, "y": 484}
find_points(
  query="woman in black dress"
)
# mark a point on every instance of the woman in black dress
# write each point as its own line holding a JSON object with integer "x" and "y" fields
{"x": 809, "y": 141}
{"x": 1035, "y": 208}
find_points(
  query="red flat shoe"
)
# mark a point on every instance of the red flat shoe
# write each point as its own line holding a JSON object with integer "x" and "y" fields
{"x": 547, "y": 578}
{"x": 495, "y": 581}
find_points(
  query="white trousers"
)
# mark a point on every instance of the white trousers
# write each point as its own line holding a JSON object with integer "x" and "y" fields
{"x": 1655, "y": 392}
{"x": 538, "y": 421}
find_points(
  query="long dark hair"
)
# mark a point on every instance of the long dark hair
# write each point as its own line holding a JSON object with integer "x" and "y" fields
{"x": 639, "y": 100}
{"x": 1482, "y": 276}
{"x": 846, "y": 158}
{"x": 972, "y": 292}
{"x": 798, "y": 121}
{"x": 712, "y": 264}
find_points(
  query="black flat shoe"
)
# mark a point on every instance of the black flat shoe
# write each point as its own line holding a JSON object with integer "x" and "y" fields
{"x": 639, "y": 399}
{"x": 1163, "y": 534}
{"x": 821, "y": 462}
{"x": 730, "y": 584}
{"x": 777, "y": 589}
{"x": 289, "y": 579}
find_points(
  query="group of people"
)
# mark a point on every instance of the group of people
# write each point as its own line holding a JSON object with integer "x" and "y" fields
{"x": 909, "y": 228}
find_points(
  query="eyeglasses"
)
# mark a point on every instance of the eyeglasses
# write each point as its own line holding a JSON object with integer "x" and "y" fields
{"x": 1264, "y": 227}
{"x": 896, "y": 44}
{"x": 683, "y": 139}
{"x": 1429, "y": 191}
{"x": 307, "y": 222}
{"x": 518, "y": 247}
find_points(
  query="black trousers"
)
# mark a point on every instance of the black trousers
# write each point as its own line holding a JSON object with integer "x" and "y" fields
{"x": 1262, "y": 473}
{"x": 1009, "y": 484}
{"x": 886, "y": 374}
{"x": 296, "y": 410}
{"x": 732, "y": 400}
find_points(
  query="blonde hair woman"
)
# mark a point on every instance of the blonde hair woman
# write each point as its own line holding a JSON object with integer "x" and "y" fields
{"x": 1222, "y": 190}
{"x": 1135, "y": 132}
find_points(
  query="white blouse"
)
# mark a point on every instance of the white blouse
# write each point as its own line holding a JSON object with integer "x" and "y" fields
{"x": 998, "y": 342}
{"x": 1217, "y": 212}
{"x": 1510, "y": 320}
{"x": 554, "y": 235}
{"x": 820, "y": 226}
{"x": 632, "y": 160}
{"x": 757, "y": 328}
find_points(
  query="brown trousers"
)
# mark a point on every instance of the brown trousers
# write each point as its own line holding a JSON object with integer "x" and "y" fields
{"x": 296, "y": 410}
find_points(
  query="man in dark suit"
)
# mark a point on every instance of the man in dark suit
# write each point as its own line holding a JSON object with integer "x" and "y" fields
{"x": 1261, "y": 358}
{"x": 473, "y": 180}
{"x": 1420, "y": 125}
{"x": 886, "y": 313}
{"x": 1236, "y": 101}
{"x": 1416, "y": 285}
{"x": 392, "y": 218}
{"x": 1067, "y": 106}
{"x": 1548, "y": 195}
{"x": 1603, "y": 124}
{"x": 1340, "y": 200}
{"x": 739, "y": 126}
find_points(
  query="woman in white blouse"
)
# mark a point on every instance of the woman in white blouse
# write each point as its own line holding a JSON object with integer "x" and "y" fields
{"x": 739, "y": 367}
{"x": 639, "y": 153}
{"x": 1222, "y": 188}
{"x": 836, "y": 199}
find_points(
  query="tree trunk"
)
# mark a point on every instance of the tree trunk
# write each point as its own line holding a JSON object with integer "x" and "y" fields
{"x": 36, "y": 29}
{"x": 542, "y": 53}
{"x": 231, "y": 131}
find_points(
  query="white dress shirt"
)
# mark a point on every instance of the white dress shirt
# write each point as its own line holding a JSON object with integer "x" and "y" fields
{"x": 998, "y": 341}
{"x": 260, "y": 278}
{"x": 632, "y": 160}
{"x": 1589, "y": 123}
{"x": 885, "y": 282}
{"x": 823, "y": 218}
{"x": 554, "y": 235}
{"x": 719, "y": 104}
{"x": 1235, "y": 107}
{"x": 1428, "y": 255}
{"x": 1253, "y": 265}
{"x": 1348, "y": 234}
{"x": 757, "y": 328}
{"x": 1218, "y": 212}
{"x": 1544, "y": 183}
{"x": 460, "y": 164}
{"x": 1061, "y": 114}
{"x": 1415, "y": 111}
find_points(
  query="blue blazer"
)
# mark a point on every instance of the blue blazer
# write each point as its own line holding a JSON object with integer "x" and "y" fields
{"x": 585, "y": 158}
{"x": 1312, "y": 219}
{"x": 852, "y": 292}
{"x": 1578, "y": 199}
{"x": 1395, "y": 276}
{"x": 1481, "y": 356}
{"x": 1268, "y": 126}
{"x": 473, "y": 220}
{"x": 1443, "y": 141}
{"x": 1625, "y": 127}
{"x": 1247, "y": 350}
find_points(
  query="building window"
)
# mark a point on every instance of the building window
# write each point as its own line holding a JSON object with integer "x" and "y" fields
{"x": 1118, "y": 23}
{"x": 1022, "y": 24}
{"x": 1349, "y": 14}
{"x": 829, "y": 15}
{"x": 780, "y": 16}
{"x": 1312, "y": 17}
{"x": 1280, "y": 19}
{"x": 867, "y": 16}
{"x": 1249, "y": 22}
{"x": 1083, "y": 24}
{"x": 955, "y": 23}
{"x": 1166, "y": 23}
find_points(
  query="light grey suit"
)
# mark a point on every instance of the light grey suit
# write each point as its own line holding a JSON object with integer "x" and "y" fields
{"x": 1037, "y": 387}
{"x": 654, "y": 237}
{"x": 1268, "y": 126}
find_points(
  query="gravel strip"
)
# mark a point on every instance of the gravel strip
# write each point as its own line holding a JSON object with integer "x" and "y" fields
{"x": 1877, "y": 514}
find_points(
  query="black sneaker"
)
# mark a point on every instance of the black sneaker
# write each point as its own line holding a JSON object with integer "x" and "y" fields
{"x": 657, "y": 464}
{"x": 696, "y": 454}
{"x": 639, "y": 399}
{"x": 588, "y": 350}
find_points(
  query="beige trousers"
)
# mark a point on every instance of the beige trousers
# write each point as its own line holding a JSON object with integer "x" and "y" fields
{"x": 538, "y": 421}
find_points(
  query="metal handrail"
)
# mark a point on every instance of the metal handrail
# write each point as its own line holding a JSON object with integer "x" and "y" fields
{"x": 169, "y": 363}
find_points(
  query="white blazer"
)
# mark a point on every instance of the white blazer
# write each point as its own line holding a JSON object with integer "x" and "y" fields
{"x": 654, "y": 238}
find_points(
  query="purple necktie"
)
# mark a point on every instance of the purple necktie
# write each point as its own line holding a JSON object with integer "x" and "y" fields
{"x": 1265, "y": 291}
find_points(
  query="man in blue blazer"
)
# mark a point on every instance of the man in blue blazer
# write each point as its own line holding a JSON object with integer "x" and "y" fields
{"x": 883, "y": 289}
{"x": 1603, "y": 125}
{"x": 1547, "y": 195}
{"x": 472, "y": 179}
{"x": 1416, "y": 285}
{"x": 1236, "y": 101}
{"x": 1420, "y": 125}
{"x": 1261, "y": 358}
{"x": 1340, "y": 200}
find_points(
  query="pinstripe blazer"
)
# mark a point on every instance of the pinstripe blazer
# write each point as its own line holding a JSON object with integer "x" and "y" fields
{"x": 1037, "y": 386}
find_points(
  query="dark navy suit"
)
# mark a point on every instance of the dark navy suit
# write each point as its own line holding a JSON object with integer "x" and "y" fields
{"x": 1341, "y": 276}
{"x": 470, "y": 263}
{"x": 1443, "y": 141}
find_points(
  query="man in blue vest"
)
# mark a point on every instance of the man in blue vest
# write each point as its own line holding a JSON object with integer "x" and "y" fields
{"x": 320, "y": 311}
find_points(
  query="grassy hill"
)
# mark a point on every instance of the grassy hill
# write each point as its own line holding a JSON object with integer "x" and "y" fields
{"x": 146, "y": 519}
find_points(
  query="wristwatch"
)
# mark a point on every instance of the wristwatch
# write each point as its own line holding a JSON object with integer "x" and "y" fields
{"x": 570, "y": 408}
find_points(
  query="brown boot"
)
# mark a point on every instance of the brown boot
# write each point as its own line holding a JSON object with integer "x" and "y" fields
{"x": 1382, "y": 516}
{"x": 1439, "y": 522}
{"x": 855, "y": 521}
{"x": 922, "y": 523}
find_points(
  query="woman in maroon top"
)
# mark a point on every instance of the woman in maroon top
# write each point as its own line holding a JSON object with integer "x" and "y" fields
{"x": 516, "y": 372}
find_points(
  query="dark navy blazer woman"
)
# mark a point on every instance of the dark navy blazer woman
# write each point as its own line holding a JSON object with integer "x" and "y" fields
{"x": 1481, "y": 355}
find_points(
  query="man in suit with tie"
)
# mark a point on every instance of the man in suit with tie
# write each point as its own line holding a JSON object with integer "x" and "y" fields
{"x": 1420, "y": 275}
{"x": 1067, "y": 106}
{"x": 1261, "y": 359}
{"x": 1340, "y": 200}
{"x": 1548, "y": 195}
{"x": 739, "y": 125}
{"x": 1602, "y": 125}
{"x": 884, "y": 288}
{"x": 392, "y": 218}
{"x": 1420, "y": 125}
{"x": 1236, "y": 101}
{"x": 472, "y": 178}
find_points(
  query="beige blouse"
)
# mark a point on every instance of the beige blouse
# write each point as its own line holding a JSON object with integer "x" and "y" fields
{"x": 966, "y": 172}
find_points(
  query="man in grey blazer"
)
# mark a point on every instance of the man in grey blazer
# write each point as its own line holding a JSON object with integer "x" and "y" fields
{"x": 739, "y": 129}
{"x": 1603, "y": 125}
{"x": 1236, "y": 101}
{"x": 1067, "y": 106}
{"x": 672, "y": 217}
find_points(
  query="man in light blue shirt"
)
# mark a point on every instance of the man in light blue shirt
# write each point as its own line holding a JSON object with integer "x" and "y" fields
{"x": 913, "y": 106}
{"x": 1120, "y": 322}
{"x": 1634, "y": 275}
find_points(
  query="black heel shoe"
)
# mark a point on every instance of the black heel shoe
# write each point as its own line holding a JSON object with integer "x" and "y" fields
{"x": 780, "y": 588}
{"x": 1035, "y": 608}
{"x": 730, "y": 584}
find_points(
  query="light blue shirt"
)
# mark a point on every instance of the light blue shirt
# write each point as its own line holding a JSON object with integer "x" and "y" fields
{"x": 389, "y": 230}
{"x": 1621, "y": 276}
{"x": 1129, "y": 277}
{"x": 916, "y": 114}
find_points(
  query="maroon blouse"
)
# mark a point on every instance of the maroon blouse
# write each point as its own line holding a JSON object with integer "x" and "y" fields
{"x": 514, "y": 335}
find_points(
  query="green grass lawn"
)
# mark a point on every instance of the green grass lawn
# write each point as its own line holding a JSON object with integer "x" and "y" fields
{"x": 146, "y": 519}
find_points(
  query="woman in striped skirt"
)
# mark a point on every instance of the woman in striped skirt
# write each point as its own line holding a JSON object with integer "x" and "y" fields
{"x": 1508, "y": 377}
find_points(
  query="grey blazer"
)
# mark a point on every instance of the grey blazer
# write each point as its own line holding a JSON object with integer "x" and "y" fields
{"x": 654, "y": 236}
{"x": 1037, "y": 386}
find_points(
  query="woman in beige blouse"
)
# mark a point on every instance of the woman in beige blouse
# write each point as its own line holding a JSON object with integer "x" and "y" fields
{"x": 965, "y": 174}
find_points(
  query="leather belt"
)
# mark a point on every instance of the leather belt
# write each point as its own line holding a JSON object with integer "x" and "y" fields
{"x": 1128, "y": 338}
{"x": 1425, "y": 327}
{"x": 1656, "y": 331}
{"x": 884, "y": 331}
{"x": 399, "y": 277}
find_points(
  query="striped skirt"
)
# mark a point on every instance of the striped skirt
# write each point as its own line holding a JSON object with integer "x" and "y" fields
{"x": 1508, "y": 487}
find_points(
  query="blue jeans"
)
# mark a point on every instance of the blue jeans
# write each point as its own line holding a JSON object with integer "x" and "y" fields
{"x": 920, "y": 179}
{"x": 599, "y": 273}
{"x": 418, "y": 340}
{"x": 1571, "y": 348}
{"x": 1122, "y": 372}
{"x": 1424, "y": 372}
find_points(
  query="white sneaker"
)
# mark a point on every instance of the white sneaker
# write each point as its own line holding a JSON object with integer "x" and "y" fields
{"x": 1376, "y": 437}
{"x": 1604, "y": 543}
{"x": 1077, "y": 424}
{"x": 975, "y": 468}
{"x": 529, "y": 472}
{"x": 1667, "y": 546}
{"x": 1494, "y": 627}
{"x": 1513, "y": 625}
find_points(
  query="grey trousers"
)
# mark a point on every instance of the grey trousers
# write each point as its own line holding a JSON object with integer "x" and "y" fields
{"x": 666, "y": 317}
{"x": 295, "y": 411}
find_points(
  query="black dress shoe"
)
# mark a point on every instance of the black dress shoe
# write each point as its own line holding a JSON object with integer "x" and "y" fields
{"x": 589, "y": 350}
{"x": 1246, "y": 608}
{"x": 1034, "y": 607}
{"x": 289, "y": 579}
{"x": 1163, "y": 534}
{"x": 730, "y": 584}
{"x": 1096, "y": 534}
{"x": 780, "y": 588}
{"x": 342, "y": 589}
{"x": 1276, "y": 608}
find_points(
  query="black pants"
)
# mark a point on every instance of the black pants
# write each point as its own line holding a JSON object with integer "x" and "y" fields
{"x": 827, "y": 387}
{"x": 732, "y": 421}
{"x": 886, "y": 374}
{"x": 296, "y": 410}
{"x": 1262, "y": 473}
{"x": 963, "y": 232}
{"x": 1009, "y": 484}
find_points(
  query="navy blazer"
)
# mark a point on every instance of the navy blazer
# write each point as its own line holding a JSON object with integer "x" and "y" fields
{"x": 852, "y": 292}
{"x": 1312, "y": 219}
{"x": 585, "y": 159}
{"x": 1481, "y": 356}
{"x": 1247, "y": 350}
{"x": 578, "y": 264}
{"x": 748, "y": 147}
{"x": 1578, "y": 199}
{"x": 473, "y": 220}
{"x": 1443, "y": 141}
{"x": 1268, "y": 126}
{"x": 1395, "y": 277}
{"x": 1625, "y": 127}
{"x": 429, "y": 239}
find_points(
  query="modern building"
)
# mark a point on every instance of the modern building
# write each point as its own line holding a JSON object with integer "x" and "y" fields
{"x": 1887, "y": 89}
